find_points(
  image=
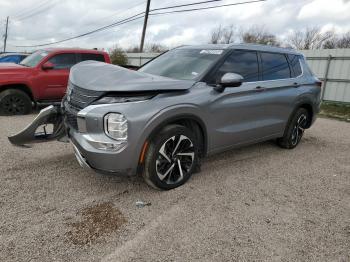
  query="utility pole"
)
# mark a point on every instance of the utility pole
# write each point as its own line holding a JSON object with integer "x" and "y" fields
{"x": 145, "y": 25}
{"x": 5, "y": 36}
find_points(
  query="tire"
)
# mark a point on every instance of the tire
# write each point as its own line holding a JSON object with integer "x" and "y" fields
{"x": 171, "y": 158}
{"x": 15, "y": 102}
{"x": 295, "y": 129}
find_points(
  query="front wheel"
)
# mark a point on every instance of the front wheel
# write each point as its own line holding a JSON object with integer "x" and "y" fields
{"x": 171, "y": 158}
{"x": 15, "y": 102}
{"x": 295, "y": 129}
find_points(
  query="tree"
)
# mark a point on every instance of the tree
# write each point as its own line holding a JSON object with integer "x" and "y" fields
{"x": 259, "y": 35}
{"x": 118, "y": 56}
{"x": 342, "y": 41}
{"x": 216, "y": 35}
{"x": 309, "y": 38}
{"x": 156, "y": 48}
{"x": 223, "y": 35}
{"x": 231, "y": 34}
{"x": 133, "y": 49}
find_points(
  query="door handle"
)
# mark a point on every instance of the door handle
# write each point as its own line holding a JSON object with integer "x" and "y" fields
{"x": 259, "y": 88}
{"x": 296, "y": 84}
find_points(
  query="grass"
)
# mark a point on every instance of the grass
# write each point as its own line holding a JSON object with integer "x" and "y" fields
{"x": 339, "y": 111}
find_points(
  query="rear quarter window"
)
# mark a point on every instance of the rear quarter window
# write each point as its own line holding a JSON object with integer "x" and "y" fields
{"x": 94, "y": 57}
{"x": 294, "y": 61}
{"x": 274, "y": 66}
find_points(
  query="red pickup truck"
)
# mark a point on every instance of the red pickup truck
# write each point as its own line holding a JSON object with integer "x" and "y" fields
{"x": 42, "y": 77}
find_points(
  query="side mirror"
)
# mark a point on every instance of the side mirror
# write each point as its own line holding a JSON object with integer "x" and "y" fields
{"x": 47, "y": 66}
{"x": 229, "y": 80}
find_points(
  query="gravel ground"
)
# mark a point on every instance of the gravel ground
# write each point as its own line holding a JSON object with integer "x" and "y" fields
{"x": 258, "y": 203}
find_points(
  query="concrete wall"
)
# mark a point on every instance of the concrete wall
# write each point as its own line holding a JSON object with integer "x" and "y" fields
{"x": 138, "y": 59}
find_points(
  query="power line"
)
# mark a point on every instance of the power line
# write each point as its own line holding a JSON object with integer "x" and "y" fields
{"x": 31, "y": 9}
{"x": 183, "y": 5}
{"x": 205, "y": 8}
{"x": 126, "y": 20}
{"x": 123, "y": 11}
{"x": 140, "y": 15}
{"x": 38, "y": 12}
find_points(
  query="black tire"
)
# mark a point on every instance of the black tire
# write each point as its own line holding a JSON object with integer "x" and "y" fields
{"x": 15, "y": 102}
{"x": 295, "y": 129}
{"x": 173, "y": 149}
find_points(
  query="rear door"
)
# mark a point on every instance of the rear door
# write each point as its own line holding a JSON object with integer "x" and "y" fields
{"x": 54, "y": 81}
{"x": 280, "y": 87}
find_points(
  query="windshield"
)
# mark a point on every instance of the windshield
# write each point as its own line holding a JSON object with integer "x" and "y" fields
{"x": 34, "y": 59}
{"x": 185, "y": 64}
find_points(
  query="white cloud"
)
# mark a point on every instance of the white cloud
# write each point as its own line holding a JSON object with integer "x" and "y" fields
{"x": 72, "y": 17}
{"x": 334, "y": 10}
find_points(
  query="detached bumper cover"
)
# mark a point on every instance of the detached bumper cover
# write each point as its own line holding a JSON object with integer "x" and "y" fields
{"x": 31, "y": 134}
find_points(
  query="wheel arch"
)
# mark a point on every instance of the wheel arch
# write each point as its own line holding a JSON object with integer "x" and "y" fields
{"x": 21, "y": 87}
{"x": 308, "y": 106}
{"x": 191, "y": 121}
{"x": 195, "y": 123}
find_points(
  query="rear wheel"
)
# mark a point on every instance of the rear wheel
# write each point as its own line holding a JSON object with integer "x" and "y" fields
{"x": 15, "y": 102}
{"x": 295, "y": 129}
{"x": 171, "y": 158}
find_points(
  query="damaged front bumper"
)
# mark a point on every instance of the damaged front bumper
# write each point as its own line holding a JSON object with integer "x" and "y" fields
{"x": 92, "y": 150}
{"x": 47, "y": 126}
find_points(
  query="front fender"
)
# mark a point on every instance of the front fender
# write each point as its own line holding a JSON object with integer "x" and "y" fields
{"x": 169, "y": 115}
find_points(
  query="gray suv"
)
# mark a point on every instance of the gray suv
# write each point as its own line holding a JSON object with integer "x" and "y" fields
{"x": 190, "y": 102}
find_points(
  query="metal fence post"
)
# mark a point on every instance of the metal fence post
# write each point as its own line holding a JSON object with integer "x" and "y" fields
{"x": 325, "y": 78}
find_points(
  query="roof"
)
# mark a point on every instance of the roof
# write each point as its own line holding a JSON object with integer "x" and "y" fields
{"x": 12, "y": 53}
{"x": 77, "y": 49}
{"x": 255, "y": 47}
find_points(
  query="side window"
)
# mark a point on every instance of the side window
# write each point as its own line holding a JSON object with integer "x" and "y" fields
{"x": 295, "y": 65}
{"x": 274, "y": 66}
{"x": 241, "y": 62}
{"x": 63, "y": 61}
{"x": 95, "y": 57}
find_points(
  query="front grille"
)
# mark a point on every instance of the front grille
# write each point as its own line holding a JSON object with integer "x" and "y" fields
{"x": 76, "y": 99}
{"x": 80, "y": 98}
{"x": 71, "y": 119}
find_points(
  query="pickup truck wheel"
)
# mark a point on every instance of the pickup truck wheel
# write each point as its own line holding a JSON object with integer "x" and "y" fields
{"x": 295, "y": 129}
{"x": 171, "y": 157}
{"x": 15, "y": 102}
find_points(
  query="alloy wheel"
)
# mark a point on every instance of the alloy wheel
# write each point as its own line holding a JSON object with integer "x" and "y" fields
{"x": 298, "y": 129}
{"x": 13, "y": 104}
{"x": 175, "y": 159}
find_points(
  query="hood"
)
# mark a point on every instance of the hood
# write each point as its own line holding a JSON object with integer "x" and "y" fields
{"x": 100, "y": 76}
{"x": 14, "y": 72}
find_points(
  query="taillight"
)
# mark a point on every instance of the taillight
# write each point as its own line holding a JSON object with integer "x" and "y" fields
{"x": 318, "y": 83}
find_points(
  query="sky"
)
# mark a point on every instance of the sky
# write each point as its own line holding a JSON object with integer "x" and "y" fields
{"x": 33, "y": 22}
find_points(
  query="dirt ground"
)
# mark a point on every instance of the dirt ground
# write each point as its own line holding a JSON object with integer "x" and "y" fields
{"x": 258, "y": 203}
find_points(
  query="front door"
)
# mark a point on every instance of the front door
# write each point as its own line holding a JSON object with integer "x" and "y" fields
{"x": 54, "y": 81}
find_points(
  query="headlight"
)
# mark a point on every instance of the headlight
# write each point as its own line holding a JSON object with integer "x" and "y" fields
{"x": 116, "y": 126}
{"x": 123, "y": 99}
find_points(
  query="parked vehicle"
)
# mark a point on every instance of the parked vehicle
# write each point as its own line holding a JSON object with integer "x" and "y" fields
{"x": 41, "y": 77}
{"x": 12, "y": 57}
{"x": 190, "y": 102}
